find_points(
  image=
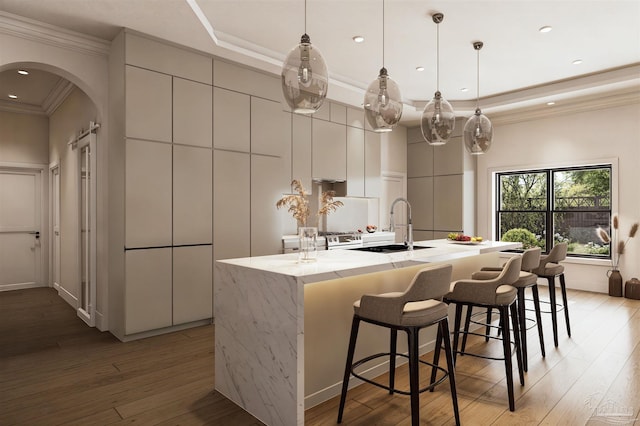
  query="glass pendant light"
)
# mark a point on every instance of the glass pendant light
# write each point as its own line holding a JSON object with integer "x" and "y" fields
{"x": 305, "y": 78}
{"x": 382, "y": 100}
{"x": 438, "y": 118}
{"x": 478, "y": 131}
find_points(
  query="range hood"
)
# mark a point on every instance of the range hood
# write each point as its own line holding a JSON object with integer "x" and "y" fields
{"x": 321, "y": 185}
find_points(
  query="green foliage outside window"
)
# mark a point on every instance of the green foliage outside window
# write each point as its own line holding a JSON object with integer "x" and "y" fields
{"x": 556, "y": 205}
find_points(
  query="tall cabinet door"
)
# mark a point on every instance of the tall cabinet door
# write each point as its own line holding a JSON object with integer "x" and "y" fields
{"x": 148, "y": 194}
{"x": 329, "y": 150}
{"x": 192, "y": 284}
{"x": 372, "y": 164}
{"x": 269, "y": 180}
{"x": 231, "y": 196}
{"x": 148, "y": 292}
{"x": 192, "y": 195}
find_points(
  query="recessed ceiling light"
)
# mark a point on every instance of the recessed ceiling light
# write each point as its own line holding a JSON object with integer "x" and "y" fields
{"x": 464, "y": 89}
{"x": 420, "y": 69}
{"x": 551, "y": 103}
{"x": 545, "y": 29}
{"x": 23, "y": 72}
{"x": 358, "y": 39}
{"x": 13, "y": 96}
{"x": 577, "y": 62}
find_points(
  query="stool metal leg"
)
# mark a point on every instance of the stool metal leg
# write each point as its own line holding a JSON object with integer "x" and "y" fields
{"x": 536, "y": 305}
{"x": 554, "y": 314}
{"x": 443, "y": 330}
{"x": 523, "y": 328}
{"x": 456, "y": 330}
{"x": 566, "y": 304}
{"x": 488, "y": 327}
{"x": 414, "y": 379}
{"x": 392, "y": 359}
{"x": 516, "y": 337}
{"x": 355, "y": 324}
{"x": 467, "y": 322}
{"x": 506, "y": 345}
{"x": 436, "y": 352}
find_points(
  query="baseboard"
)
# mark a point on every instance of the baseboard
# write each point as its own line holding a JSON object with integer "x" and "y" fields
{"x": 159, "y": 331}
{"x": 19, "y": 286}
{"x": 66, "y": 296}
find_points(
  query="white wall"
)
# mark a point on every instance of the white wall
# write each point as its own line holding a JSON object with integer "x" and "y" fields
{"x": 24, "y": 138}
{"x": 583, "y": 137}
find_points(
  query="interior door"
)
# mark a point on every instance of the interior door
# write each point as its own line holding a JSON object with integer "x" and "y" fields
{"x": 87, "y": 202}
{"x": 20, "y": 210}
{"x": 55, "y": 227}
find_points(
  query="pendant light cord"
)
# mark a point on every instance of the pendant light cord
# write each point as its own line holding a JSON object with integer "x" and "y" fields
{"x": 305, "y": 16}
{"x": 478, "y": 79}
{"x": 438, "y": 57}
{"x": 382, "y": 33}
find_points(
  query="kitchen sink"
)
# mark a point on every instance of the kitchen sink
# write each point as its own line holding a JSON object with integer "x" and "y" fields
{"x": 390, "y": 248}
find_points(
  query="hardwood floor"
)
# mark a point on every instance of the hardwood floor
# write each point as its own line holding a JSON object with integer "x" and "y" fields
{"x": 54, "y": 370}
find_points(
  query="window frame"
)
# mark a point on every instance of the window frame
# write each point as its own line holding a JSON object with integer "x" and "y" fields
{"x": 551, "y": 209}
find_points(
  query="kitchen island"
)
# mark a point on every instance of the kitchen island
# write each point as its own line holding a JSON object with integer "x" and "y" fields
{"x": 282, "y": 327}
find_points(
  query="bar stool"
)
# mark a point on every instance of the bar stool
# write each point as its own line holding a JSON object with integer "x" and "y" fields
{"x": 527, "y": 279}
{"x": 418, "y": 307}
{"x": 550, "y": 269}
{"x": 496, "y": 293}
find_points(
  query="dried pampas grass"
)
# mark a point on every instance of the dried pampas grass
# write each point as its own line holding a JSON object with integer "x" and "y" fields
{"x": 620, "y": 245}
{"x": 298, "y": 204}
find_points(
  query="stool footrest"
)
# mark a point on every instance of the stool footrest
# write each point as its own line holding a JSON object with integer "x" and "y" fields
{"x": 402, "y": 392}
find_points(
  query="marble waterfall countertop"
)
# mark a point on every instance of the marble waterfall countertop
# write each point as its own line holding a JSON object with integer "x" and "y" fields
{"x": 332, "y": 264}
{"x": 282, "y": 327}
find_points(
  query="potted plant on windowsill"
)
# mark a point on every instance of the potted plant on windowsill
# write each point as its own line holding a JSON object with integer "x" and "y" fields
{"x": 298, "y": 206}
{"x": 617, "y": 249}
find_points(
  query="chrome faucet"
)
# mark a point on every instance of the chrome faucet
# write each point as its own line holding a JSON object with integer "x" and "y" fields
{"x": 409, "y": 237}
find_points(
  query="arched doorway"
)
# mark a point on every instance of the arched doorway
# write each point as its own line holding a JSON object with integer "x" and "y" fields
{"x": 53, "y": 233}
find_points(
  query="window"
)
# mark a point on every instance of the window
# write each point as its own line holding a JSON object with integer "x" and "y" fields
{"x": 544, "y": 207}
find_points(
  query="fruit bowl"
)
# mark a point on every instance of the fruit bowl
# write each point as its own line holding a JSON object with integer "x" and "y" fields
{"x": 463, "y": 239}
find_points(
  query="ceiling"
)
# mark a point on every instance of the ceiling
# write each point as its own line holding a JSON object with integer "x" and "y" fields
{"x": 520, "y": 67}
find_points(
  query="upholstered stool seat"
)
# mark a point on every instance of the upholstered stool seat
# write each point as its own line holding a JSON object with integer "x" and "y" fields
{"x": 494, "y": 291}
{"x": 418, "y": 307}
{"x": 526, "y": 279}
{"x": 550, "y": 269}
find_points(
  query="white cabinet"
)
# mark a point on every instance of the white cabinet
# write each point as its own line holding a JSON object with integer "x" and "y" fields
{"x": 420, "y": 195}
{"x": 267, "y": 130}
{"x": 192, "y": 195}
{"x": 148, "y": 194}
{"x": 148, "y": 105}
{"x": 192, "y": 112}
{"x": 447, "y": 196}
{"x": 372, "y": 164}
{"x": 301, "y": 149}
{"x": 148, "y": 291}
{"x": 329, "y": 150}
{"x": 355, "y": 162}
{"x": 231, "y": 198}
{"x": 269, "y": 180}
{"x": 192, "y": 284}
{"x": 231, "y": 120}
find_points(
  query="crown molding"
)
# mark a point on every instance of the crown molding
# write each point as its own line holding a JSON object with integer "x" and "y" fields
{"x": 40, "y": 32}
{"x": 18, "y": 108}
{"x": 625, "y": 97}
{"x": 56, "y": 97}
